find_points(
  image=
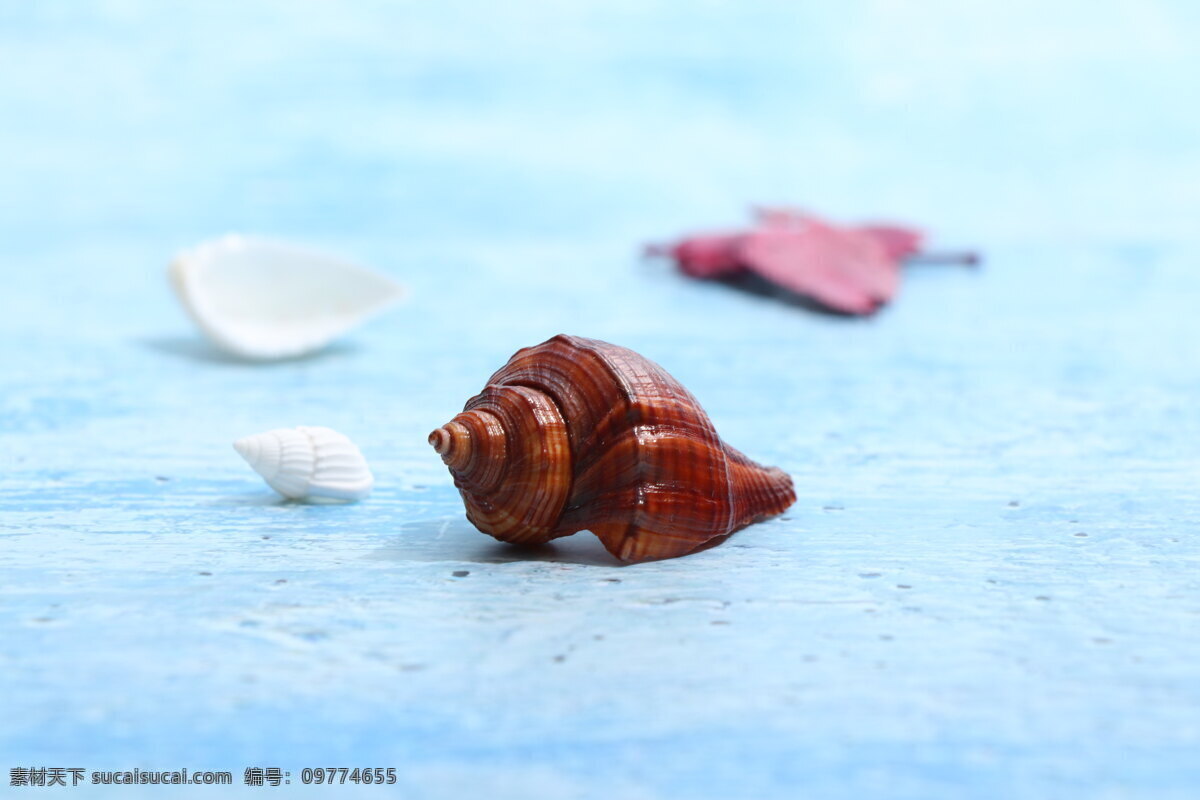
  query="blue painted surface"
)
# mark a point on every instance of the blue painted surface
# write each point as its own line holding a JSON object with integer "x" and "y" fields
{"x": 988, "y": 586}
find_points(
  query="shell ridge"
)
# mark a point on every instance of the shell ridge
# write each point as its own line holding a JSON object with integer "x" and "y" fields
{"x": 649, "y": 412}
{"x": 308, "y": 462}
{"x": 532, "y": 469}
{"x": 645, "y": 469}
{"x": 339, "y": 469}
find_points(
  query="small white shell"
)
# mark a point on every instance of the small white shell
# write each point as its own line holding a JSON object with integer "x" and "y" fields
{"x": 308, "y": 463}
{"x": 261, "y": 299}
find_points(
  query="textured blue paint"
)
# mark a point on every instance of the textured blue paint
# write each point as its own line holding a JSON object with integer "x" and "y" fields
{"x": 988, "y": 587}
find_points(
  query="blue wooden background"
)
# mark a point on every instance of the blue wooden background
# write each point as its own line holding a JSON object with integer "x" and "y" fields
{"x": 988, "y": 587}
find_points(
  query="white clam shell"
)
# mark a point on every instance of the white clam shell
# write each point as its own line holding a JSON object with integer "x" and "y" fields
{"x": 262, "y": 299}
{"x": 308, "y": 463}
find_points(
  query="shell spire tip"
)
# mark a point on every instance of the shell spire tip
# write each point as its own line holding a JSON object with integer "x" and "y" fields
{"x": 440, "y": 441}
{"x": 247, "y": 447}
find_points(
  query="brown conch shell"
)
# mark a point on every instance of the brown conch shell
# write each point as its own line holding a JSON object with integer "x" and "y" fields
{"x": 578, "y": 434}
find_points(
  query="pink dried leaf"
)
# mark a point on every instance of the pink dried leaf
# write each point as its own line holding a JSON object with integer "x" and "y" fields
{"x": 841, "y": 268}
{"x": 705, "y": 256}
{"x": 851, "y": 269}
{"x": 900, "y": 241}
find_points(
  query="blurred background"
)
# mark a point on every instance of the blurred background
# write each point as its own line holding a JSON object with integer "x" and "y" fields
{"x": 610, "y": 121}
{"x": 987, "y": 587}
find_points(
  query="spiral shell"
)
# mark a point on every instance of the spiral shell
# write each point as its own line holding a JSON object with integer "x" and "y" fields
{"x": 308, "y": 463}
{"x": 578, "y": 434}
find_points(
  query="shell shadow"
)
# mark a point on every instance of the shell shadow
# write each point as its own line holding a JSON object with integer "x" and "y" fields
{"x": 455, "y": 539}
{"x": 195, "y": 348}
{"x": 259, "y": 499}
{"x": 581, "y": 548}
{"x": 274, "y": 500}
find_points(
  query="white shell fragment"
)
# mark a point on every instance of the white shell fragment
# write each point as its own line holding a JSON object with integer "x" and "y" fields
{"x": 308, "y": 463}
{"x": 262, "y": 299}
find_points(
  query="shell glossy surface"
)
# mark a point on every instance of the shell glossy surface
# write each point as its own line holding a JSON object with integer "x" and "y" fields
{"x": 616, "y": 446}
{"x": 262, "y": 299}
{"x": 308, "y": 463}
